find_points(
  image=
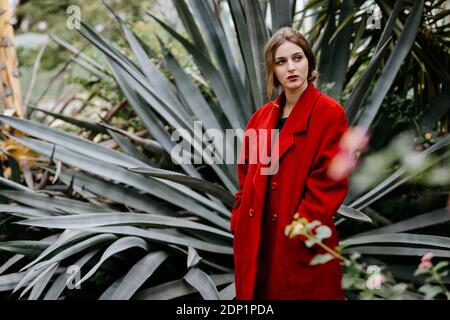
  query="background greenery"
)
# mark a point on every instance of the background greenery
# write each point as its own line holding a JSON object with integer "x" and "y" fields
{"x": 106, "y": 196}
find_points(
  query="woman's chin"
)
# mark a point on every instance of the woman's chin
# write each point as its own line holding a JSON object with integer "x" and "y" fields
{"x": 293, "y": 86}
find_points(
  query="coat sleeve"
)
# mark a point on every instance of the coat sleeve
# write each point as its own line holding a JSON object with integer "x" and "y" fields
{"x": 242, "y": 173}
{"x": 323, "y": 196}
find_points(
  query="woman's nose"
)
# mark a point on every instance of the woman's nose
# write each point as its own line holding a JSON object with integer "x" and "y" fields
{"x": 290, "y": 65}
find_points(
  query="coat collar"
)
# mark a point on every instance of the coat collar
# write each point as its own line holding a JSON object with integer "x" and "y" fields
{"x": 299, "y": 116}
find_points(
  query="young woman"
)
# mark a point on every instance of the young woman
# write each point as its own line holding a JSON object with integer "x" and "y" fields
{"x": 269, "y": 265}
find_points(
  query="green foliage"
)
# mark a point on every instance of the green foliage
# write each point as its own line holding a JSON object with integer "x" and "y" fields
{"x": 93, "y": 194}
{"x": 399, "y": 109}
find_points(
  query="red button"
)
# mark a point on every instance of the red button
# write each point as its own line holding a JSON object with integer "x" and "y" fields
{"x": 251, "y": 212}
{"x": 274, "y": 217}
{"x": 273, "y": 186}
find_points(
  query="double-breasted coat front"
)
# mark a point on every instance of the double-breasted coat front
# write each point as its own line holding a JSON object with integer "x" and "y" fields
{"x": 269, "y": 265}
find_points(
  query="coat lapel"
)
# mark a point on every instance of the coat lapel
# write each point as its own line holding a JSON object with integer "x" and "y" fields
{"x": 297, "y": 122}
{"x": 298, "y": 119}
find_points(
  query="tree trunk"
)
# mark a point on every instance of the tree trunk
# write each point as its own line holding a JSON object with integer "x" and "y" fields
{"x": 10, "y": 93}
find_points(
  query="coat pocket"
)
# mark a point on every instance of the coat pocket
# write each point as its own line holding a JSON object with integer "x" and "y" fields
{"x": 301, "y": 254}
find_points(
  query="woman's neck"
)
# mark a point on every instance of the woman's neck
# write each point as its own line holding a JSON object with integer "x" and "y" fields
{"x": 292, "y": 97}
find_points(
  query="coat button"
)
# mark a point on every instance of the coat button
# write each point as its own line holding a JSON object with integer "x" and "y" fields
{"x": 274, "y": 217}
{"x": 251, "y": 212}
{"x": 273, "y": 185}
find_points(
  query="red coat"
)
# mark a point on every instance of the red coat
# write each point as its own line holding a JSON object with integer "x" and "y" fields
{"x": 264, "y": 257}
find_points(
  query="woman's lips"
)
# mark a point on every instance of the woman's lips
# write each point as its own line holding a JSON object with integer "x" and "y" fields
{"x": 292, "y": 78}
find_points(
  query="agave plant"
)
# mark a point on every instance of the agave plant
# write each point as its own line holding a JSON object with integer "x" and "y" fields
{"x": 116, "y": 222}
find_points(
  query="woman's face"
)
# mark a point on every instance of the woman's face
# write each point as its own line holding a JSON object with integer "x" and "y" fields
{"x": 291, "y": 66}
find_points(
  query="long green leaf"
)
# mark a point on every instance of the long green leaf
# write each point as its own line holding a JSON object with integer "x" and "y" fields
{"x": 279, "y": 10}
{"x": 119, "y": 245}
{"x": 335, "y": 56}
{"x": 178, "y": 288}
{"x": 64, "y": 238}
{"x": 132, "y": 75}
{"x": 100, "y": 75}
{"x": 25, "y": 247}
{"x": 397, "y": 178}
{"x": 165, "y": 237}
{"x": 191, "y": 182}
{"x": 435, "y": 111}
{"x": 11, "y": 261}
{"x": 128, "y": 147}
{"x": 397, "y": 251}
{"x": 354, "y": 214}
{"x": 138, "y": 274}
{"x": 203, "y": 260}
{"x": 151, "y": 122}
{"x": 65, "y": 278}
{"x": 80, "y": 123}
{"x": 203, "y": 283}
{"x": 356, "y": 98}
{"x": 9, "y": 281}
{"x": 225, "y": 176}
{"x": 62, "y": 138}
{"x": 39, "y": 283}
{"x": 25, "y": 212}
{"x": 91, "y": 242}
{"x": 115, "y": 192}
{"x": 190, "y": 93}
{"x": 77, "y": 52}
{"x": 258, "y": 39}
{"x": 108, "y": 293}
{"x": 402, "y": 238}
{"x": 190, "y": 25}
{"x": 15, "y": 185}
{"x": 165, "y": 89}
{"x": 228, "y": 293}
{"x": 393, "y": 64}
{"x": 199, "y": 107}
{"x": 122, "y": 65}
{"x": 29, "y": 276}
{"x": 150, "y": 93}
{"x": 417, "y": 222}
{"x": 118, "y": 218}
{"x": 145, "y": 113}
{"x": 54, "y": 203}
{"x": 116, "y": 173}
{"x": 226, "y": 98}
{"x": 220, "y": 47}
{"x": 245, "y": 46}
{"x": 387, "y": 31}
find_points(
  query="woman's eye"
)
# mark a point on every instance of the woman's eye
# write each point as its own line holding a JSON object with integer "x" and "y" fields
{"x": 298, "y": 58}
{"x": 279, "y": 62}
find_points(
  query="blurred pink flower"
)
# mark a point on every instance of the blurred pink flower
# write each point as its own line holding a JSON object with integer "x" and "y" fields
{"x": 350, "y": 146}
{"x": 425, "y": 265}
{"x": 375, "y": 281}
{"x": 426, "y": 261}
{"x": 427, "y": 257}
{"x": 356, "y": 138}
{"x": 341, "y": 165}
